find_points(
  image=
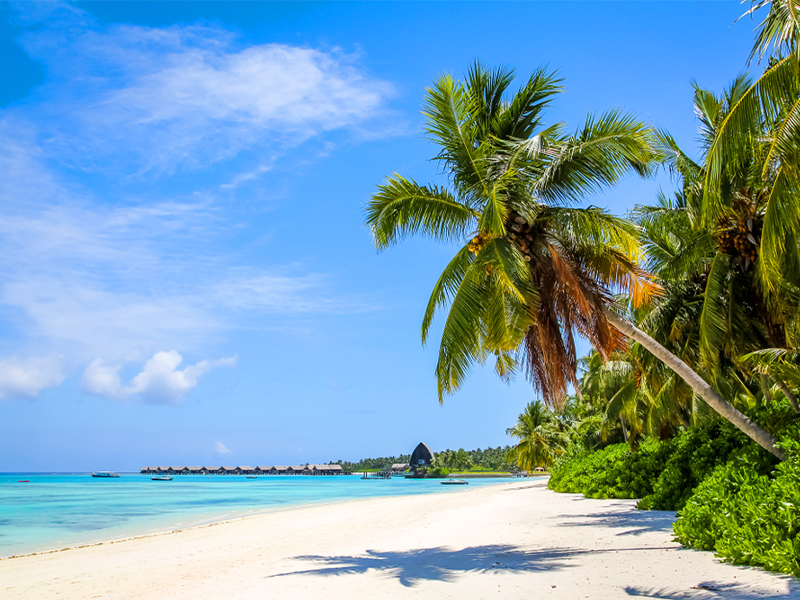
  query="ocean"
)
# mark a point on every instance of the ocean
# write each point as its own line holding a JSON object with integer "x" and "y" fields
{"x": 46, "y": 511}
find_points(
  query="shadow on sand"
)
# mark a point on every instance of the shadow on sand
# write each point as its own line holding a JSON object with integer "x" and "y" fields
{"x": 634, "y": 522}
{"x": 713, "y": 590}
{"x": 444, "y": 564}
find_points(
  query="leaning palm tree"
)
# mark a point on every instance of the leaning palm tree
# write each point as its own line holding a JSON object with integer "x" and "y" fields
{"x": 539, "y": 440}
{"x": 534, "y": 271}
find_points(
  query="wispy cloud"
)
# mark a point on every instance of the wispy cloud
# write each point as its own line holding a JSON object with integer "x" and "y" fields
{"x": 165, "y": 99}
{"x": 25, "y": 378}
{"x": 159, "y": 382}
{"x": 221, "y": 448}
{"x": 108, "y": 259}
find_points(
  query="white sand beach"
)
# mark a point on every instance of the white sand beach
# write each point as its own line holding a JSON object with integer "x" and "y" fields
{"x": 515, "y": 540}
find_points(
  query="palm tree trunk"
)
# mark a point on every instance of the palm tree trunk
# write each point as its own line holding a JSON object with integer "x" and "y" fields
{"x": 624, "y": 429}
{"x": 725, "y": 409}
{"x": 764, "y": 378}
{"x": 788, "y": 393}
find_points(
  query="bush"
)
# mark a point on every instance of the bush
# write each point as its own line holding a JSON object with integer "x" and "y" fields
{"x": 663, "y": 474}
{"x": 746, "y": 517}
{"x": 694, "y": 456}
{"x": 614, "y": 472}
{"x": 731, "y": 496}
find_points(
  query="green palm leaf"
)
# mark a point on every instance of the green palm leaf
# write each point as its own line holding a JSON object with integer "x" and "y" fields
{"x": 402, "y": 207}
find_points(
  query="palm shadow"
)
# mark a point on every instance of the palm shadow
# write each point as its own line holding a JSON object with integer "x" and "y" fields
{"x": 445, "y": 564}
{"x": 440, "y": 564}
{"x": 634, "y": 523}
{"x": 712, "y": 590}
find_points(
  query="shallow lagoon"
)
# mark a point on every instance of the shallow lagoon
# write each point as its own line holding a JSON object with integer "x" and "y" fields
{"x": 59, "y": 510}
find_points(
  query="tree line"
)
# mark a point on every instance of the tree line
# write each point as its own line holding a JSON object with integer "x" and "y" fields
{"x": 694, "y": 297}
{"x": 490, "y": 459}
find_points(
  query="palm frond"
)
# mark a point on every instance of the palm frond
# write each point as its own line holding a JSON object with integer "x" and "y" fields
{"x": 598, "y": 155}
{"x": 402, "y": 207}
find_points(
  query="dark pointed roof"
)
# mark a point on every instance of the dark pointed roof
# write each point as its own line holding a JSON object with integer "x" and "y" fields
{"x": 421, "y": 452}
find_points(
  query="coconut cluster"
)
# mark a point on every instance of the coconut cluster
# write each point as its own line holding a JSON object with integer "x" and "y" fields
{"x": 477, "y": 243}
{"x": 741, "y": 238}
{"x": 521, "y": 234}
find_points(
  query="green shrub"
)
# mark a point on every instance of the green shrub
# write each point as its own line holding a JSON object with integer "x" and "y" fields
{"x": 730, "y": 494}
{"x": 746, "y": 517}
{"x": 693, "y": 456}
{"x": 663, "y": 474}
{"x": 613, "y": 472}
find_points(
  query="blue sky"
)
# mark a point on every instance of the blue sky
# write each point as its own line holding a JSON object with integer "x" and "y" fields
{"x": 187, "y": 278}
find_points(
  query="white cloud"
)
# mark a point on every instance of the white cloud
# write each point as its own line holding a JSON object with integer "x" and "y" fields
{"x": 165, "y": 99}
{"x": 106, "y": 265}
{"x": 101, "y": 379}
{"x": 221, "y": 448}
{"x": 25, "y": 378}
{"x": 159, "y": 382}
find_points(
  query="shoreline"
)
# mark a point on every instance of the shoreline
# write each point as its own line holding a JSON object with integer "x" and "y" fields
{"x": 211, "y": 523}
{"x": 220, "y": 507}
{"x": 517, "y": 538}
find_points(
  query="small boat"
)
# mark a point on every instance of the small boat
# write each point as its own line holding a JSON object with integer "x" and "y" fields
{"x": 454, "y": 482}
{"x": 103, "y": 474}
{"x": 162, "y": 478}
{"x": 252, "y": 476}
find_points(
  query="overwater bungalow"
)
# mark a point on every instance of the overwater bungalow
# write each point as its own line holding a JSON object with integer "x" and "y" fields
{"x": 245, "y": 470}
{"x": 325, "y": 469}
{"x": 399, "y": 468}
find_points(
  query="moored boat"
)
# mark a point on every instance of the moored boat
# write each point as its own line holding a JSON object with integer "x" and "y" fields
{"x": 162, "y": 478}
{"x": 103, "y": 474}
{"x": 454, "y": 482}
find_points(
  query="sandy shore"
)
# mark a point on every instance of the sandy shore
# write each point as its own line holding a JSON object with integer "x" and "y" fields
{"x": 515, "y": 540}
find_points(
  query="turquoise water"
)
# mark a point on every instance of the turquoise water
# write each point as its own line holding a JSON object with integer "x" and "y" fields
{"x": 59, "y": 510}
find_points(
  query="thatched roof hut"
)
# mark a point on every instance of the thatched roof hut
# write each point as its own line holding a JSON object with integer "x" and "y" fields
{"x": 422, "y": 456}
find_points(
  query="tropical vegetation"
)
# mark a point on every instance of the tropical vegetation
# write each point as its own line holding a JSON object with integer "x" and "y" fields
{"x": 688, "y": 399}
{"x": 488, "y": 459}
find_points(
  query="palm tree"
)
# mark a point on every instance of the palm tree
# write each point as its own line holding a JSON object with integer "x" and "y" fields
{"x": 714, "y": 308}
{"x": 539, "y": 439}
{"x": 535, "y": 270}
{"x": 771, "y": 104}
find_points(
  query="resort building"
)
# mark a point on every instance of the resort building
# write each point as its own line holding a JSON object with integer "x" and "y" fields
{"x": 245, "y": 470}
{"x": 399, "y": 468}
{"x": 421, "y": 460}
